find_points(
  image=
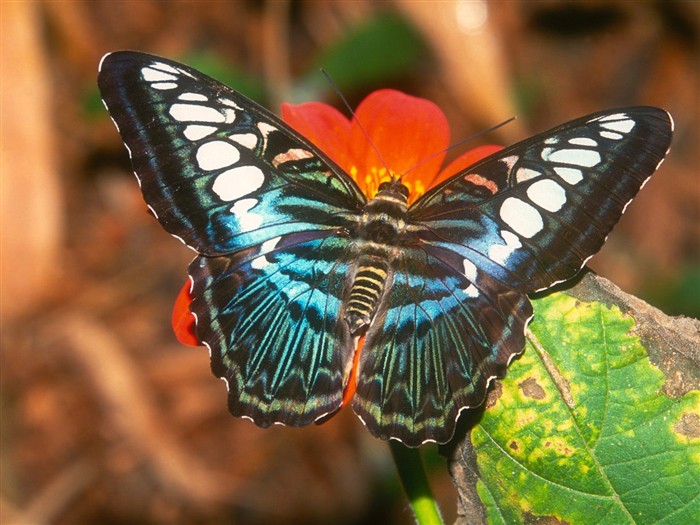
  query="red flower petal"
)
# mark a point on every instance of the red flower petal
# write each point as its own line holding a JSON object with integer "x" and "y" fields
{"x": 324, "y": 126}
{"x": 183, "y": 321}
{"x": 406, "y": 130}
{"x": 465, "y": 160}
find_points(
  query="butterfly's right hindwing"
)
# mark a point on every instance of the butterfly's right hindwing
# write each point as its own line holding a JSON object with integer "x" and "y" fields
{"x": 438, "y": 340}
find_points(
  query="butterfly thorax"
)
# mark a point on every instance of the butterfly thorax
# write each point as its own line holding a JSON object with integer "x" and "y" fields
{"x": 379, "y": 236}
{"x": 383, "y": 216}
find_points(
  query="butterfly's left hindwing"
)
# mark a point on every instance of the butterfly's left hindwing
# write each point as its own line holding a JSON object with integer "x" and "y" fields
{"x": 219, "y": 171}
{"x": 271, "y": 318}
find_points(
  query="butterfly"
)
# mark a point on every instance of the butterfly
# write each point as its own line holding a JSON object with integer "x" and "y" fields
{"x": 295, "y": 264}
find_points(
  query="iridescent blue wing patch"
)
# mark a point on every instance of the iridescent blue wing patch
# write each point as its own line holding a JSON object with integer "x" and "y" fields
{"x": 440, "y": 336}
{"x": 270, "y": 314}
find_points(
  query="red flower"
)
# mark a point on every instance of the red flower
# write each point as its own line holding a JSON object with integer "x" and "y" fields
{"x": 183, "y": 321}
{"x": 405, "y": 129}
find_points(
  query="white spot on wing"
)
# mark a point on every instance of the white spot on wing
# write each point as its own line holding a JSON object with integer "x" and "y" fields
{"x": 470, "y": 273}
{"x": 164, "y": 85}
{"x": 247, "y": 140}
{"x": 570, "y": 175}
{"x": 578, "y": 157}
{"x": 524, "y": 174}
{"x": 623, "y": 126}
{"x": 290, "y": 155}
{"x": 229, "y": 102}
{"x": 606, "y": 118}
{"x": 153, "y": 75}
{"x": 269, "y": 245}
{"x": 217, "y": 154}
{"x": 193, "y": 97}
{"x": 510, "y": 161}
{"x": 260, "y": 262}
{"x": 471, "y": 291}
{"x": 547, "y": 194}
{"x": 521, "y": 217}
{"x": 238, "y": 182}
{"x": 249, "y": 221}
{"x": 229, "y": 115}
{"x": 500, "y": 253}
{"x": 195, "y": 113}
{"x": 611, "y": 135}
{"x": 266, "y": 128}
{"x": 583, "y": 141}
{"x": 469, "y": 270}
{"x": 164, "y": 67}
{"x": 195, "y": 132}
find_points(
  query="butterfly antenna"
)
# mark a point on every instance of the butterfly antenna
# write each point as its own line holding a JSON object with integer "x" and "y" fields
{"x": 359, "y": 124}
{"x": 457, "y": 144}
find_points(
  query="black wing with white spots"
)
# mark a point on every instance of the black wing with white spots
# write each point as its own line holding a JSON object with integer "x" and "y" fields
{"x": 532, "y": 214}
{"x": 219, "y": 171}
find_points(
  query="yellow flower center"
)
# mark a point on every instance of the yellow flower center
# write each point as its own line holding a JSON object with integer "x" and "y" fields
{"x": 377, "y": 176}
{"x": 374, "y": 178}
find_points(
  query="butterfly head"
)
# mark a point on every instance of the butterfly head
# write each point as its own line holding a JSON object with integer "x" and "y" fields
{"x": 393, "y": 190}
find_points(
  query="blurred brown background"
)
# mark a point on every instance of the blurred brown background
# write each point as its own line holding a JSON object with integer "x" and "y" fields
{"x": 105, "y": 417}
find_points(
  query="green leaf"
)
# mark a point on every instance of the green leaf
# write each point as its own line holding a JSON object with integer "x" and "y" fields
{"x": 582, "y": 431}
{"x": 371, "y": 53}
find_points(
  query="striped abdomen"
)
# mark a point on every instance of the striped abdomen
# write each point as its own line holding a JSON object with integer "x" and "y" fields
{"x": 366, "y": 290}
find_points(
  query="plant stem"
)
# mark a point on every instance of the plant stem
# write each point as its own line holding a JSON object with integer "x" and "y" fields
{"x": 415, "y": 483}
